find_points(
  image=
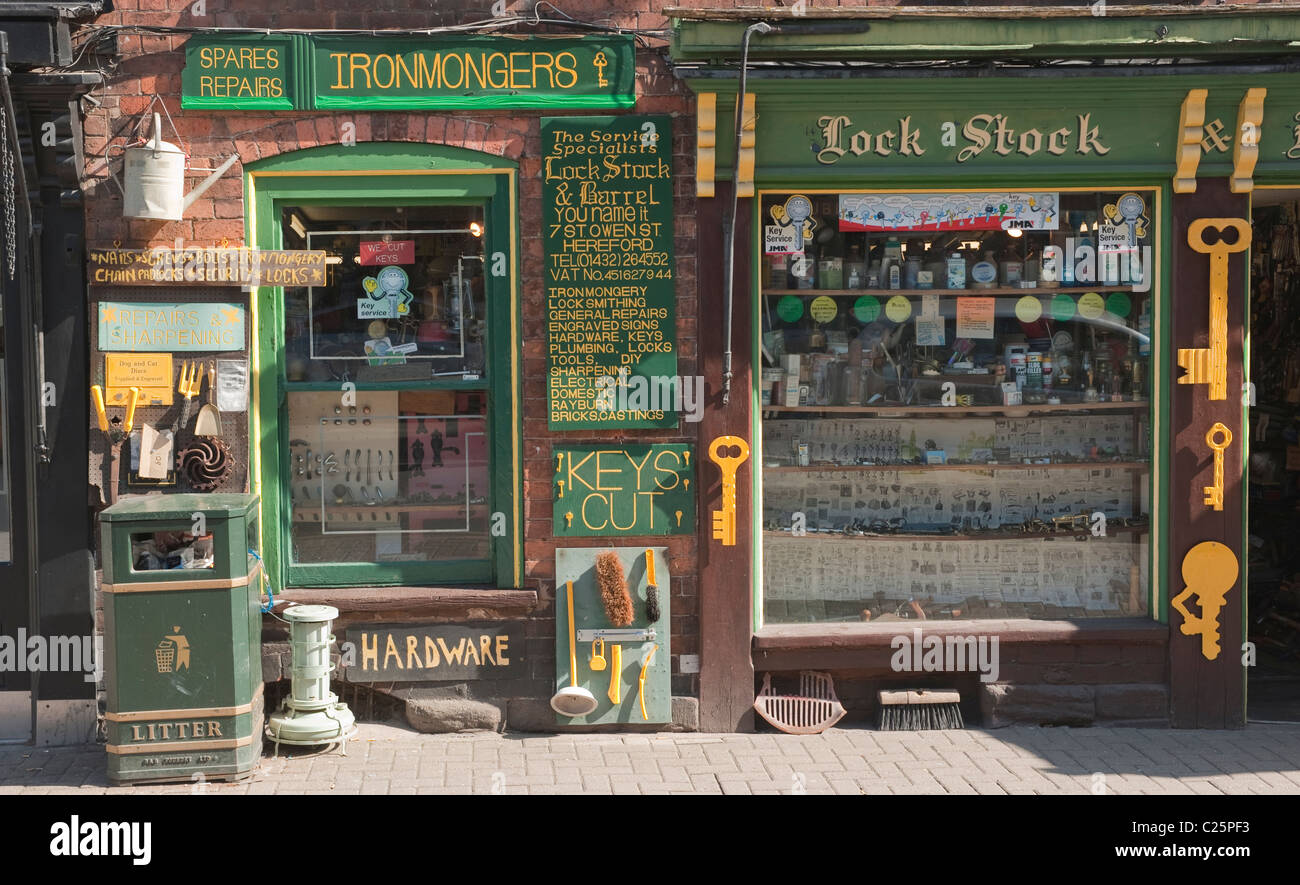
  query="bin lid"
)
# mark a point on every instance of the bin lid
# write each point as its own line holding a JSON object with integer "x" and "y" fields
{"x": 168, "y": 507}
{"x": 311, "y": 613}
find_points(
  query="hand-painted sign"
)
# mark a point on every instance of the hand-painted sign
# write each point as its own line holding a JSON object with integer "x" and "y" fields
{"x": 607, "y": 194}
{"x": 155, "y": 326}
{"x": 943, "y": 212}
{"x": 205, "y": 266}
{"x": 434, "y": 652}
{"x": 407, "y": 72}
{"x": 624, "y": 490}
{"x": 151, "y": 372}
{"x": 380, "y": 252}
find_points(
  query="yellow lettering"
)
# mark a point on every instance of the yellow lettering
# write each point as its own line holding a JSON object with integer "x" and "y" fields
{"x": 453, "y": 657}
{"x": 390, "y": 651}
{"x": 430, "y": 652}
{"x": 214, "y": 728}
{"x": 570, "y": 69}
{"x": 503, "y": 645}
{"x": 369, "y": 651}
{"x": 413, "y": 652}
{"x": 485, "y": 647}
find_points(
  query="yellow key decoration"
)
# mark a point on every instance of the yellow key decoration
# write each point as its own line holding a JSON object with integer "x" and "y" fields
{"x": 724, "y": 519}
{"x": 1209, "y": 572}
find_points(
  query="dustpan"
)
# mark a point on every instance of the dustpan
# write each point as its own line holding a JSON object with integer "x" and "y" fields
{"x": 209, "y": 421}
{"x": 812, "y": 711}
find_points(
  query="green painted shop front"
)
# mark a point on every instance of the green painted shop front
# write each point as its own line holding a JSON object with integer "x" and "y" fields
{"x": 827, "y": 146}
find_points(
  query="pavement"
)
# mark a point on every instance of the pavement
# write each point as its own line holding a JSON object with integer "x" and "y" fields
{"x": 392, "y": 759}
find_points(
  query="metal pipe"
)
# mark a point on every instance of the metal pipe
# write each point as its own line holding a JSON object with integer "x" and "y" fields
{"x": 729, "y": 227}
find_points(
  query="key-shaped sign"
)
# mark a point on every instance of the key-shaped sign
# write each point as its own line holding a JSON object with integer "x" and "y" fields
{"x": 1209, "y": 365}
{"x": 728, "y": 452}
{"x": 1209, "y": 572}
{"x": 1214, "y": 493}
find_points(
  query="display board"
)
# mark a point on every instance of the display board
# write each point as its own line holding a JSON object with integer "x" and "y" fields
{"x": 577, "y": 564}
{"x": 611, "y": 319}
{"x": 624, "y": 490}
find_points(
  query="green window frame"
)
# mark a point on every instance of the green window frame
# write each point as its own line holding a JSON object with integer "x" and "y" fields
{"x": 389, "y": 174}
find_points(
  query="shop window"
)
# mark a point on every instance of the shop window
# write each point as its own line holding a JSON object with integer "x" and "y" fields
{"x": 956, "y": 400}
{"x": 388, "y": 440}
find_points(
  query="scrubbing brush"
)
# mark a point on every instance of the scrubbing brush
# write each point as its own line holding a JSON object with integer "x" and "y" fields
{"x": 919, "y": 710}
{"x": 651, "y": 589}
{"x": 613, "y": 589}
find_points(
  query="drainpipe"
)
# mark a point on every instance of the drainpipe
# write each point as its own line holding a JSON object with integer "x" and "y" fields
{"x": 729, "y": 227}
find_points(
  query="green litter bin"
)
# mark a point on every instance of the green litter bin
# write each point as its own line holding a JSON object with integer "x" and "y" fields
{"x": 182, "y": 637}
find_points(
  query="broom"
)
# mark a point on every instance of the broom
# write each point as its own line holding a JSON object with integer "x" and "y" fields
{"x": 919, "y": 710}
{"x": 613, "y": 589}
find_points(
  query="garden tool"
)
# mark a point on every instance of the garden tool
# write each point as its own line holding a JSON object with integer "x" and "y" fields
{"x": 646, "y": 659}
{"x": 209, "y": 420}
{"x": 598, "y": 655}
{"x": 616, "y": 674}
{"x": 114, "y": 437}
{"x": 652, "y": 612}
{"x": 190, "y": 382}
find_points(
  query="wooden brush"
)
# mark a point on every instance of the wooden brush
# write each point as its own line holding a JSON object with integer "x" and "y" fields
{"x": 613, "y": 589}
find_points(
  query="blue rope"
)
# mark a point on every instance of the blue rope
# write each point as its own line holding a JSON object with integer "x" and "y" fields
{"x": 266, "y": 582}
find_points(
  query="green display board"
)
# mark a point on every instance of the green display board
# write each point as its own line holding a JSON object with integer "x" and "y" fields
{"x": 624, "y": 490}
{"x": 577, "y": 564}
{"x": 607, "y": 195}
{"x": 407, "y": 72}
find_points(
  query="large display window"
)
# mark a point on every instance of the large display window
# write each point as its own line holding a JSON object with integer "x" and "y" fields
{"x": 956, "y": 401}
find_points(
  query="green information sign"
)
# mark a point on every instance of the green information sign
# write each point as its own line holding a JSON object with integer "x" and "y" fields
{"x": 607, "y": 234}
{"x": 625, "y": 490}
{"x": 407, "y": 72}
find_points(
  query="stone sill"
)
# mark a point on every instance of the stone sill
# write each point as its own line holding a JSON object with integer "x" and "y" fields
{"x": 465, "y": 602}
{"x": 830, "y": 645}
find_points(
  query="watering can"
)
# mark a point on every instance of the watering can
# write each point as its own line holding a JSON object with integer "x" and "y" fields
{"x": 155, "y": 179}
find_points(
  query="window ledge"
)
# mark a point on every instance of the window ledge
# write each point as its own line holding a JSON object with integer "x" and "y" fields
{"x": 465, "y": 602}
{"x": 778, "y": 638}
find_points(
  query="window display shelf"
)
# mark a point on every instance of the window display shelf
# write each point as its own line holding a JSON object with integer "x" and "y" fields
{"x": 1019, "y": 411}
{"x": 884, "y": 468}
{"x": 996, "y": 290}
{"x": 992, "y": 535}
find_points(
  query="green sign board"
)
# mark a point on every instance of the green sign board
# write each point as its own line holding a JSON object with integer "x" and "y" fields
{"x": 407, "y": 72}
{"x": 607, "y": 235}
{"x": 625, "y": 490}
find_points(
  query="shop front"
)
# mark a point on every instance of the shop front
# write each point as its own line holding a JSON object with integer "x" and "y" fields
{"x": 401, "y": 310}
{"x": 991, "y": 353}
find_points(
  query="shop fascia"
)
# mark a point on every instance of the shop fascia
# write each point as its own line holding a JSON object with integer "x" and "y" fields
{"x": 978, "y": 133}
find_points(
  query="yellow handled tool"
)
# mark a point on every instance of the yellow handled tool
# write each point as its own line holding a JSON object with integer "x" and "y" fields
{"x": 129, "y": 423}
{"x": 598, "y": 655}
{"x": 616, "y": 674}
{"x": 640, "y": 682}
{"x": 101, "y": 413}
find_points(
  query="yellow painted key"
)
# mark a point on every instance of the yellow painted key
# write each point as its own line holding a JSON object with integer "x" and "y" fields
{"x": 1209, "y": 572}
{"x": 1214, "y": 493}
{"x": 1209, "y": 365}
{"x": 724, "y": 519}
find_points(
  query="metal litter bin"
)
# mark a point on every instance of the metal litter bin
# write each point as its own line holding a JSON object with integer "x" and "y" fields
{"x": 182, "y": 637}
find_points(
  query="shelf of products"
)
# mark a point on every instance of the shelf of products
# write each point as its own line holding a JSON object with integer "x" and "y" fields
{"x": 903, "y": 416}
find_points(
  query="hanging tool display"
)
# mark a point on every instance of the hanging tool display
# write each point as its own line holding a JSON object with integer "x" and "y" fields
{"x": 191, "y": 380}
{"x": 614, "y": 596}
{"x": 114, "y": 436}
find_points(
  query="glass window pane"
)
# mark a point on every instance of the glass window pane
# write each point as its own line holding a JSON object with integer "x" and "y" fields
{"x": 6, "y": 527}
{"x": 400, "y": 477}
{"x": 956, "y": 405}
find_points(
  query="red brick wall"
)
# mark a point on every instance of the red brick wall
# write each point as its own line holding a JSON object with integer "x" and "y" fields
{"x": 151, "y": 65}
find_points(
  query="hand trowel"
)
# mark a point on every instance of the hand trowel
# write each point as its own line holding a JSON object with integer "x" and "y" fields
{"x": 209, "y": 421}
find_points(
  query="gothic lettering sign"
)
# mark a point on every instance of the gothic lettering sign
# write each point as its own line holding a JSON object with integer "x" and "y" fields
{"x": 607, "y": 235}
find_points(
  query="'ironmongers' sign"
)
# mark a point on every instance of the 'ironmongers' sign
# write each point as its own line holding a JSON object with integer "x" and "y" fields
{"x": 433, "y": 652}
{"x": 407, "y": 72}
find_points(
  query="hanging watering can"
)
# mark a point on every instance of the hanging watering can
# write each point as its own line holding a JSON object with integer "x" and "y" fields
{"x": 155, "y": 179}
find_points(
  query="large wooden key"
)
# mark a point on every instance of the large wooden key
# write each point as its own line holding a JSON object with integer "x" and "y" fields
{"x": 1209, "y": 572}
{"x": 1209, "y": 365}
{"x": 1214, "y": 493}
{"x": 720, "y": 452}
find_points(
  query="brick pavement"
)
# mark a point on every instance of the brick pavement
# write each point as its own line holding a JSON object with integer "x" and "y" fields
{"x": 387, "y": 759}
